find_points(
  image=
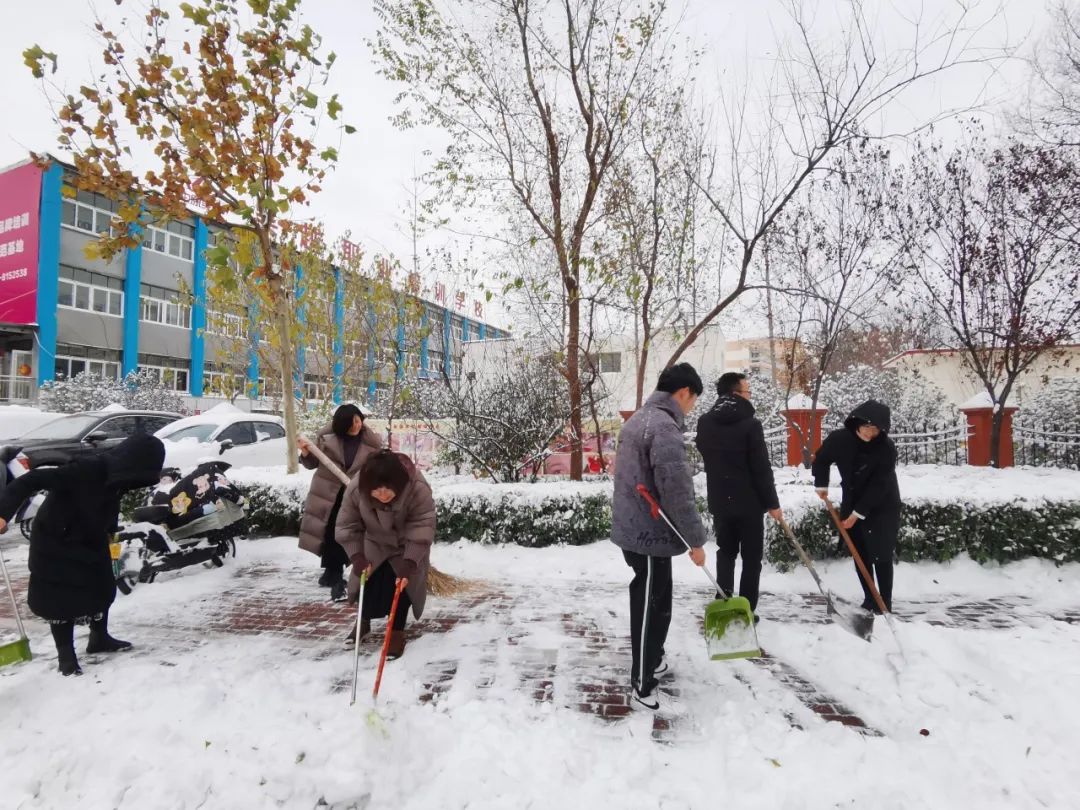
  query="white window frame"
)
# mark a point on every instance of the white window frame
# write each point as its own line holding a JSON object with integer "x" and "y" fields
{"x": 95, "y": 214}
{"x": 166, "y": 373}
{"x": 99, "y": 367}
{"x": 233, "y": 326}
{"x": 154, "y": 236}
{"x": 147, "y": 303}
{"x": 93, "y": 291}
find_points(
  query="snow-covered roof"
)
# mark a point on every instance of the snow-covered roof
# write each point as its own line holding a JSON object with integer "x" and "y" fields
{"x": 801, "y": 402}
{"x": 980, "y": 400}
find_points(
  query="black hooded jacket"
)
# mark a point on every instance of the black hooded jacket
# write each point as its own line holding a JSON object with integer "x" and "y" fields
{"x": 738, "y": 472}
{"x": 867, "y": 469}
{"x": 71, "y": 572}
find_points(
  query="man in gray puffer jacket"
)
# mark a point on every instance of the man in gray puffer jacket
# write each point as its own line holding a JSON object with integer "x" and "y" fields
{"x": 652, "y": 451}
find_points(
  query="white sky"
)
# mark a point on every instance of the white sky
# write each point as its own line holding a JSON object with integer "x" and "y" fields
{"x": 370, "y": 188}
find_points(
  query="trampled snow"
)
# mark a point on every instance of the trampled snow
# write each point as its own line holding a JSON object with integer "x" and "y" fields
{"x": 214, "y": 720}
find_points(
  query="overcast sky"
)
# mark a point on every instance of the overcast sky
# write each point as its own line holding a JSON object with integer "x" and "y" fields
{"x": 370, "y": 188}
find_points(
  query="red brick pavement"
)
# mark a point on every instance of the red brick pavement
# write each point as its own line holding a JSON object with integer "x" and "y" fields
{"x": 588, "y": 673}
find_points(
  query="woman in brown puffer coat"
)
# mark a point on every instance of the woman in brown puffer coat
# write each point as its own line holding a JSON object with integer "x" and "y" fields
{"x": 387, "y": 525}
{"x": 348, "y": 443}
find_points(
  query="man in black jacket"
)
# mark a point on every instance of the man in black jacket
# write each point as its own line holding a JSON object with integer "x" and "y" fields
{"x": 740, "y": 483}
{"x": 870, "y": 502}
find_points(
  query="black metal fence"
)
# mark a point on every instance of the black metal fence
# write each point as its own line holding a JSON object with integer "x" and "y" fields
{"x": 776, "y": 441}
{"x": 1042, "y": 445}
{"x": 942, "y": 443}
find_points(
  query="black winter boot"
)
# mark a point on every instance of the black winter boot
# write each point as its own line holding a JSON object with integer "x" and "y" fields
{"x": 63, "y": 634}
{"x": 100, "y": 640}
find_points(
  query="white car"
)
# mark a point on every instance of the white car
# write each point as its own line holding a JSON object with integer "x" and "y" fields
{"x": 227, "y": 433}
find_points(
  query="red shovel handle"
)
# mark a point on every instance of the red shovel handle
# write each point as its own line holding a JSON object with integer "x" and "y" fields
{"x": 386, "y": 641}
{"x": 654, "y": 507}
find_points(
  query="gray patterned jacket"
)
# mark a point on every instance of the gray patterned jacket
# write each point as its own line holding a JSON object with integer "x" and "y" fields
{"x": 652, "y": 451}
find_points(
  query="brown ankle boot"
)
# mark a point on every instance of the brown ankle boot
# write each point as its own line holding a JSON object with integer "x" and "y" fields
{"x": 365, "y": 628}
{"x": 397, "y": 644}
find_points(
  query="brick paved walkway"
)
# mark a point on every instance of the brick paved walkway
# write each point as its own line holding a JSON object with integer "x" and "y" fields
{"x": 575, "y": 660}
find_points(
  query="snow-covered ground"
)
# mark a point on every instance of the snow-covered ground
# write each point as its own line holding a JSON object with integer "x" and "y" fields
{"x": 198, "y": 716}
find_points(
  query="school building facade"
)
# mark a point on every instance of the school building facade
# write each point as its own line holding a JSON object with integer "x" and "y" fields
{"x": 62, "y": 313}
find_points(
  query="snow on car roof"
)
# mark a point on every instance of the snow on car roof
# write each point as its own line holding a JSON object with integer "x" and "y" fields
{"x": 222, "y": 417}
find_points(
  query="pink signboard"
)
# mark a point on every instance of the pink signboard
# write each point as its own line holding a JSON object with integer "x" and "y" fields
{"x": 20, "y": 189}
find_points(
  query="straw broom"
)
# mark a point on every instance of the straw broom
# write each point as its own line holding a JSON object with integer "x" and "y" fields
{"x": 438, "y": 583}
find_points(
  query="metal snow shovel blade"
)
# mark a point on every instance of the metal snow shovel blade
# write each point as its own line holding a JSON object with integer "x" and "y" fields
{"x": 867, "y": 578}
{"x": 729, "y": 622}
{"x": 16, "y": 651}
{"x": 851, "y": 618}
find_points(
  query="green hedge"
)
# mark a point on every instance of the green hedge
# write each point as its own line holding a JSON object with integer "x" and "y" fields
{"x": 931, "y": 531}
{"x": 537, "y": 515}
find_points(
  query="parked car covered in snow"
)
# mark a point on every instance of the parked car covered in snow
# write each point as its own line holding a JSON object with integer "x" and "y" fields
{"x": 240, "y": 438}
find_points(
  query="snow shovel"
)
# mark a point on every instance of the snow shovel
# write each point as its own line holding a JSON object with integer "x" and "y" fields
{"x": 840, "y": 610}
{"x": 864, "y": 572}
{"x": 729, "y": 622}
{"x": 356, "y": 649}
{"x": 19, "y": 650}
{"x": 373, "y": 718}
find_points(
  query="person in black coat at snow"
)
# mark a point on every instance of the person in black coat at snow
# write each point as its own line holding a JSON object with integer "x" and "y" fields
{"x": 870, "y": 506}
{"x": 71, "y": 573}
{"x": 739, "y": 478}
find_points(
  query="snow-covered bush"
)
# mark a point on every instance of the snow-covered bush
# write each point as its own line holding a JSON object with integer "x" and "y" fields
{"x": 913, "y": 406}
{"x": 1057, "y": 403}
{"x": 139, "y": 390}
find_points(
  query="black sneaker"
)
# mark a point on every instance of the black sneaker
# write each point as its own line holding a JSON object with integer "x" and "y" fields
{"x": 337, "y": 591}
{"x": 649, "y": 701}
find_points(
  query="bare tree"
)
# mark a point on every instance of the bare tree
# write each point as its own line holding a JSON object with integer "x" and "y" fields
{"x": 833, "y": 260}
{"x": 821, "y": 98}
{"x": 539, "y": 97}
{"x": 1053, "y": 111}
{"x": 993, "y": 246}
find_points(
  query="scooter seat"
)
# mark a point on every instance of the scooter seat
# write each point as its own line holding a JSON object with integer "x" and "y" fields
{"x": 157, "y": 513}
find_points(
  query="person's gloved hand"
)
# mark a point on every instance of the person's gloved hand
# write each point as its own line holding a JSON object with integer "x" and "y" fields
{"x": 359, "y": 562}
{"x": 406, "y": 569}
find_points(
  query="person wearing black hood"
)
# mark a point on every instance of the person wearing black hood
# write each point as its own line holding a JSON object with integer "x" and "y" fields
{"x": 71, "y": 573}
{"x": 870, "y": 504}
{"x": 740, "y": 484}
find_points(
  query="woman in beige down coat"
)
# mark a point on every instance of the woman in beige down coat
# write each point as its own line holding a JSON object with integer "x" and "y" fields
{"x": 348, "y": 443}
{"x": 387, "y": 525}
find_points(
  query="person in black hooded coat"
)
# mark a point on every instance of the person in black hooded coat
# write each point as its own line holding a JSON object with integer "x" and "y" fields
{"x": 870, "y": 503}
{"x": 71, "y": 573}
{"x": 739, "y": 478}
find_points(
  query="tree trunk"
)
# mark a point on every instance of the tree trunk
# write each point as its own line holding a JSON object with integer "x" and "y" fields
{"x": 995, "y": 435}
{"x": 288, "y": 399}
{"x": 573, "y": 376}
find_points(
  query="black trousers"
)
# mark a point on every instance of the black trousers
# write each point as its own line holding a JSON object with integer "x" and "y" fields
{"x": 740, "y": 534}
{"x": 333, "y": 556}
{"x": 875, "y": 539}
{"x": 650, "y": 616}
{"x": 379, "y": 597}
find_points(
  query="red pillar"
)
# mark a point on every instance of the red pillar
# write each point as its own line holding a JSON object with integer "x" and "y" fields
{"x": 802, "y": 420}
{"x": 980, "y": 421}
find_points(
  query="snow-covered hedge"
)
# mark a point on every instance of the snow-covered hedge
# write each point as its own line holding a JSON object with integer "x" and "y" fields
{"x": 991, "y": 515}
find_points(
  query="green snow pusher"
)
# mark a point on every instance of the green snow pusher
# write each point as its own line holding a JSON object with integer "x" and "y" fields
{"x": 14, "y": 652}
{"x": 729, "y": 621}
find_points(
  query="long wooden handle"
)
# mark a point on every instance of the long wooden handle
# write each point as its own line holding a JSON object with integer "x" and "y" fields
{"x": 869, "y": 580}
{"x": 325, "y": 461}
{"x": 386, "y": 641}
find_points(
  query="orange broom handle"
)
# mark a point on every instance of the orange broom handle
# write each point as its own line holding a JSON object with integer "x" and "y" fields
{"x": 386, "y": 641}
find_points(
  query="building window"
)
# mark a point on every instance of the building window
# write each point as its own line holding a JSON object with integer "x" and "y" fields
{"x": 176, "y": 239}
{"x": 160, "y": 306}
{"x": 92, "y": 292}
{"x": 68, "y": 367}
{"x": 227, "y": 324}
{"x": 173, "y": 374}
{"x": 610, "y": 362}
{"x": 89, "y": 213}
